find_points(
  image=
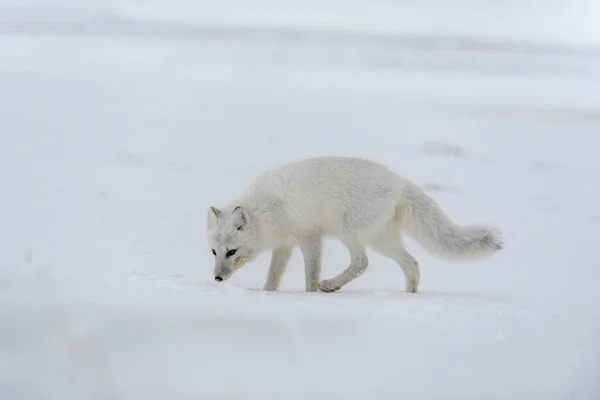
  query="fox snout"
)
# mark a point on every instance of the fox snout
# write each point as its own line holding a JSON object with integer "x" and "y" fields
{"x": 220, "y": 277}
{"x": 222, "y": 273}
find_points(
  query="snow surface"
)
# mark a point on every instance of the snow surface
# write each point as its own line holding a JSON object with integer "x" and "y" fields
{"x": 122, "y": 122}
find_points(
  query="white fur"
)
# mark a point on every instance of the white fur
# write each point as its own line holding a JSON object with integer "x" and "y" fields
{"x": 360, "y": 202}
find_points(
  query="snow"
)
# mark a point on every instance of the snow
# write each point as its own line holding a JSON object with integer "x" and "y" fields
{"x": 123, "y": 122}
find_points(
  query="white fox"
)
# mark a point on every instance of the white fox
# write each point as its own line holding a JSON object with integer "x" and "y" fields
{"x": 360, "y": 202}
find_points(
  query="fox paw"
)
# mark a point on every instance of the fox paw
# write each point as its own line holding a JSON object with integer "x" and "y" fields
{"x": 328, "y": 286}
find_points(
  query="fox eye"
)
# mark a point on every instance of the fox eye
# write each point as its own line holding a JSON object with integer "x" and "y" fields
{"x": 239, "y": 228}
{"x": 214, "y": 252}
{"x": 230, "y": 253}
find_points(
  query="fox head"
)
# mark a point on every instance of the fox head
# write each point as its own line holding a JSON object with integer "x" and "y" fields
{"x": 233, "y": 239}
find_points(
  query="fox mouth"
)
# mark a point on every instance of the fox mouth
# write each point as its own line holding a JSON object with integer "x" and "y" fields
{"x": 223, "y": 276}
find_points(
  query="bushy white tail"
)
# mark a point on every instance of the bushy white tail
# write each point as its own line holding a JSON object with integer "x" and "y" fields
{"x": 425, "y": 221}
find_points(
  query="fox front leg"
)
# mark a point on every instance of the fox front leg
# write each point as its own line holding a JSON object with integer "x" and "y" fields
{"x": 279, "y": 261}
{"x": 311, "y": 251}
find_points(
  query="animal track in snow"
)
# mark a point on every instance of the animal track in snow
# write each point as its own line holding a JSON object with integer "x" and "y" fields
{"x": 445, "y": 149}
{"x": 128, "y": 159}
{"x": 438, "y": 187}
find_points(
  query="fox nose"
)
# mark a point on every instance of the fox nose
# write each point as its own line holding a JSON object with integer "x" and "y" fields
{"x": 218, "y": 278}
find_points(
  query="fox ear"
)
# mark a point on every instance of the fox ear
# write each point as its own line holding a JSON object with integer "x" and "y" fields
{"x": 240, "y": 217}
{"x": 213, "y": 215}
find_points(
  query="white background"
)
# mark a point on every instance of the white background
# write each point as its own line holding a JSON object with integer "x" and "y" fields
{"x": 122, "y": 122}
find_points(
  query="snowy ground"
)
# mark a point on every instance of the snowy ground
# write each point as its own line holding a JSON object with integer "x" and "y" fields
{"x": 124, "y": 121}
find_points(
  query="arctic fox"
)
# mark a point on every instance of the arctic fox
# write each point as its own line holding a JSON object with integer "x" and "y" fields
{"x": 360, "y": 202}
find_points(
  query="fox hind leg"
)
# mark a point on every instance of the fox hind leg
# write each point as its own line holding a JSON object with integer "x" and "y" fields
{"x": 358, "y": 264}
{"x": 389, "y": 243}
